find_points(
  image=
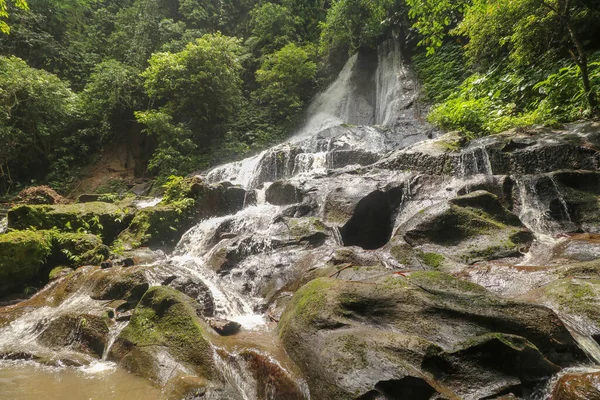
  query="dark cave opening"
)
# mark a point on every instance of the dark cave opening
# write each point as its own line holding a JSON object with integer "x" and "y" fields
{"x": 372, "y": 222}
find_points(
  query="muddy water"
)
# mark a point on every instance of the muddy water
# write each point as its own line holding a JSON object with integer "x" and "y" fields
{"x": 21, "y": 380}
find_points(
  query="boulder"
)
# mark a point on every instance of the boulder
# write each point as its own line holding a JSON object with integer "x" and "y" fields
{"x": 282, "y": 193}
{"x": 428, "y": 333}
{"x": 577, "y": 386}
{"x": 103, "y": 219}
{"x": 224, "y": 327}
{"x": 81, "y": 332}
{"x": 164, "y": 338}
{"x": 119, "y": 283}
{"x": 76, "y": 249}
{"x": 466, "y": 229}
{"x": 22, "y": 255}
{"x": 197, "y": 290}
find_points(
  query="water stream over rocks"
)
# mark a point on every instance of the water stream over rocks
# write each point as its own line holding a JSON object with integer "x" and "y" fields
{"x": 442, "y": 272}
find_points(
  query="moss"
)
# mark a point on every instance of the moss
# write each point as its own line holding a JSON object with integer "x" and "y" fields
{"x": 306, "y": 304}
{"x": 302, "y": 227}
{"x": 76, "y": 249}
{"x": 99, "y": 218}
{"x": 59, "y": 272}
{"x": 22, "y": 255}
{"x": 402, "y": 253}
{"x": 167, "y": 318}
{"x": 443, "y": 281}
{"x": 434, "y": 260}
{"x": 160, "y": 225}
{"x": 355, "y": 349}
{"x": 577, "y": 297}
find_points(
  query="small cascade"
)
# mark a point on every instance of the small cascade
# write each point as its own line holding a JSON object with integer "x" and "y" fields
{"x": 3, "y": 224}
{"x": 311, "y": 163}
{"x": 114, "y": 332}
{"x": 584, "y": 339}
{"x": 561, "y": 199}
{"x": 238, "y": 172}
{"x": 534, "y": 214}
{"x": 476, "y": 161}
{"x": 148, "y": 203}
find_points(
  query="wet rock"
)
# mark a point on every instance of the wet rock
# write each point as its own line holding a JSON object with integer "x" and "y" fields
{"x": 119, "y": 283}
{"x": 224, "y": 327}
{"x": 509, "y": 153}
{"x": 234, "y": 199}
{"x": 577, "y": 386}
{"x": 59, "y": 272}
{"x": 341, "y": 158}
{"x": 469, "y": 228}
{"x": 307, "y": 230}
{"x": 82, "y": 332}
{"x": 276, "y": 164}
{"x": 99, "y": 218}
{"x": 124, "y": 316}
{"x": 106, "y": 264}
{"x": 282, "y": 193}
{"x": 186, "y": 388}
{"x": 142, "y": 189}
{"x": 195, "y": 289}
{"x": 340, "y": 203}
{"x": 164, "y": 338}
{"x": 348, "y": 337}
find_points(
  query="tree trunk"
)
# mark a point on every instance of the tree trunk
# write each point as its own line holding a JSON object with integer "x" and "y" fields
{"x": 581, "y": 61}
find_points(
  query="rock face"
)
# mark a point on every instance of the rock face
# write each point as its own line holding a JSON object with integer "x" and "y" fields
{"x": 283, "y": 193}
{"x": 469, "y": 228}
{"x": 164, "y": 338}
{"x": 430, "y": 333}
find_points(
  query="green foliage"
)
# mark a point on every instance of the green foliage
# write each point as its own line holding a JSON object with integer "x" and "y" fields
{"x": 202, "y": 82}
{"x": 4, "y": 28}
{"x": 442, "y": 72}
{"x": 285, "y": 80}
{"x": 177, "y": 188}
{"x": 176, "y": 152}
{"x": 112, "y": 94}
{"x": 273, "y": 26}
{"x": 507, "y": 98}
{"x": 433, "y": 19}
{"x": 37, "y": 114}
{"x": 351, "y": 24}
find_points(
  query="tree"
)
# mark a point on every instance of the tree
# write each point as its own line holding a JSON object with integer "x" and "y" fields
{"x": 523, "y": 30}
{"x": 273, "y": 26}
{"x": 37, "y": 114}
{"x": 200, "y": 84}
{"x": 22, "y": 4}
{"x": 285, "y": 80}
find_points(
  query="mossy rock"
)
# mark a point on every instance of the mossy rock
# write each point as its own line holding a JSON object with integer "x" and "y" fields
{"x": 76, "y": 249}
{"x": 59, "y": 272}
{"x": 81, "y": 332}
{"x": 158, "y": 226}
{"x": 119, "y": 283}
{"x": 99, "y": 218}
{"x": 22, "y": 255}
{"x": 353, "y": 338}
{"x": 164, "y": 336}
{"x": 469, "y": 228}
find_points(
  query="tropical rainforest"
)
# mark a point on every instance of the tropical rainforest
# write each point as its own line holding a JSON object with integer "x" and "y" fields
{"x": 199, "y": 82}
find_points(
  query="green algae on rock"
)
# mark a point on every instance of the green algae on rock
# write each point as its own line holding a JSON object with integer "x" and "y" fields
{"x": 164, "y": 336}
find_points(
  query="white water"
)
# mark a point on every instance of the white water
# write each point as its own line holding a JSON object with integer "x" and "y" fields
{"x": 3, "y": 224}
{"x": 148, "y": 202}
